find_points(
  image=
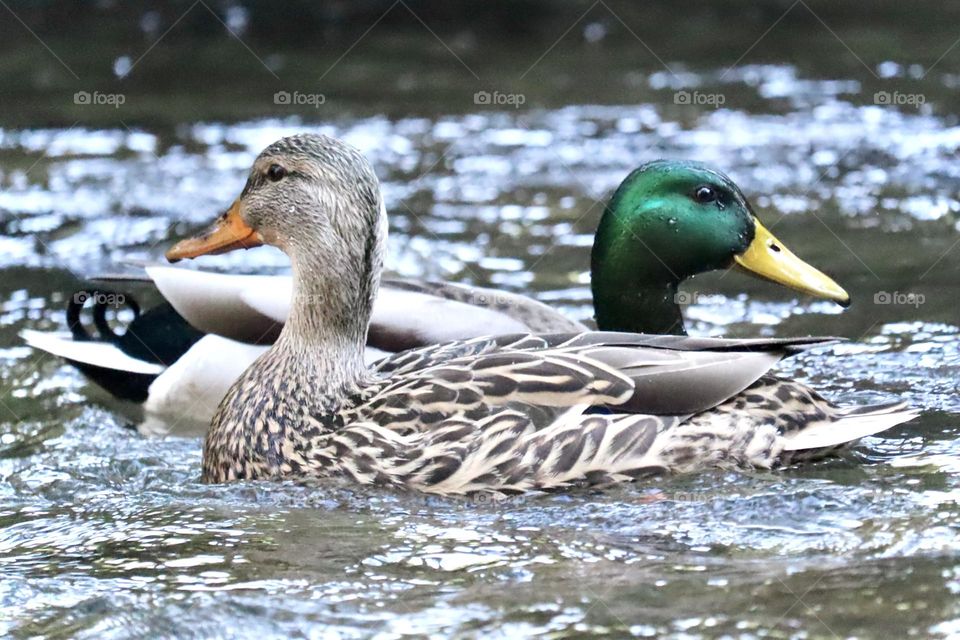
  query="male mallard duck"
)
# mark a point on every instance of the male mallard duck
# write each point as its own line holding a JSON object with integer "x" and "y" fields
{"x": 509, "y": 413}
{"x": 667, "y": 221}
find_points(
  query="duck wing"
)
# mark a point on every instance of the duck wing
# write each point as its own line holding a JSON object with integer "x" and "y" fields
{"x": 219, "y": 303}
{"x": 515, "y": 413}
{"x": 407, "y": 313}
{"x": 532, "y": 315}
{"x": 668, "y": 375}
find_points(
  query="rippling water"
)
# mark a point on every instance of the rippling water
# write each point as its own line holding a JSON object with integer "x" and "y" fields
{"x": 106, "y": 533}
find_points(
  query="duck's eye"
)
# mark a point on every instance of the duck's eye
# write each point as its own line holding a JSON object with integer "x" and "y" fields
{"x": 705, "y": 194}
{"x": 276, "y": 173}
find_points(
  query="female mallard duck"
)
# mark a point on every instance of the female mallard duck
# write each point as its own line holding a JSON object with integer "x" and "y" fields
{"x": 667, "y": 222}
{"x": 509, "y": 413}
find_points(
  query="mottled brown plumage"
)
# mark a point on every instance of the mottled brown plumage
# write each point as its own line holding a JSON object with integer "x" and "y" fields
{"x": 509, "y": 413}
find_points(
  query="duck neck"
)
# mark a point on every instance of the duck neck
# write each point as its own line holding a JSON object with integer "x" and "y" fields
{"x": 326, "y": 331}
{"x": 319, "y": 329}
{"x": 637, "y": 309}
{"x": 633, "y": 289}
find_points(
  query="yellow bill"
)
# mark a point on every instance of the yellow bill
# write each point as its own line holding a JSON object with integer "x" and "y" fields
{"x": 229, "y": 232}
{"x": 768, "y": 258}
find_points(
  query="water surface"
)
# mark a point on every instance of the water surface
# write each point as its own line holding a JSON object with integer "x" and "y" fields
{"x": 107, "y": 533}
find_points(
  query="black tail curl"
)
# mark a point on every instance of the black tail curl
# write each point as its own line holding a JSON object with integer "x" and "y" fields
{"x": 159, "y": 335}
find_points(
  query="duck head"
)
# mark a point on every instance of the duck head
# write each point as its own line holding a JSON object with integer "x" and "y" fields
{"x": 671, "y": 220}
{"x": 318, "y": 200}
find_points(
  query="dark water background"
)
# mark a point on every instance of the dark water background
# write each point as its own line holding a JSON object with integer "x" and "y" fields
{"x": 106, "y": 533}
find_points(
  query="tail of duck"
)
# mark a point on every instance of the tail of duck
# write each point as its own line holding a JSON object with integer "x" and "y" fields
{"x": 845, "y": 428}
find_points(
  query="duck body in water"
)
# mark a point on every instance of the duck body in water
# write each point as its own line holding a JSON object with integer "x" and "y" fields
{"x": 506, "y": 414}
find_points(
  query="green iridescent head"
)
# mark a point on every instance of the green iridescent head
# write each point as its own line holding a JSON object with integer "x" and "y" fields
{"x": 670, "y": 220}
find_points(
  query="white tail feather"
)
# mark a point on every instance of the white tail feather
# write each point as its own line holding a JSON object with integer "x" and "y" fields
{"x": 848, "y": 428}
{"x": 98, "y": 354}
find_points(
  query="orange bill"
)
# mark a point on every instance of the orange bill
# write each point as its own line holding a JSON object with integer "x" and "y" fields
{"x": 228, "y": 233}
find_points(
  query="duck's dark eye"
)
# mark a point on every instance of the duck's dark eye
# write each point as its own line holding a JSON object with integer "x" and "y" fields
{"x": 704, "y": 194}
{"x": 276, "y": 173}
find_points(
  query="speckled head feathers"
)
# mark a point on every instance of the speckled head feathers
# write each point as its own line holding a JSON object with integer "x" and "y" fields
{"x": 318, "y": 199}
{"x": 310, "y": 182}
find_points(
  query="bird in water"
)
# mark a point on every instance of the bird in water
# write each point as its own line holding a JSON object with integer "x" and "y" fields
{"x": 508, "y": 413}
